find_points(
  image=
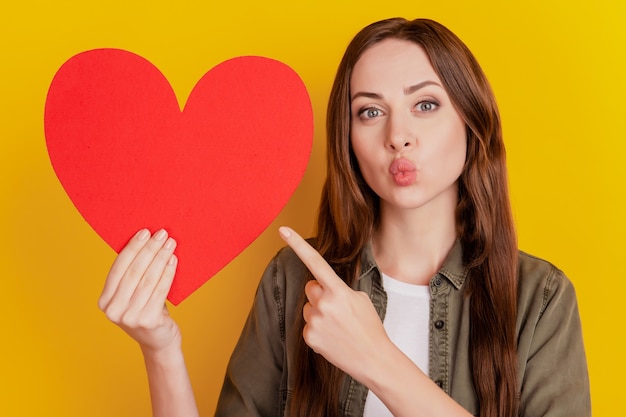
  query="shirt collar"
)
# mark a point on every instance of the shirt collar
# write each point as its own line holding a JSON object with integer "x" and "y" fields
{"x": 452, "y": 268}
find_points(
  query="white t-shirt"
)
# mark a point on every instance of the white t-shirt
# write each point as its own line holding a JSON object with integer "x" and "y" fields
{"x": 406, "y": 322}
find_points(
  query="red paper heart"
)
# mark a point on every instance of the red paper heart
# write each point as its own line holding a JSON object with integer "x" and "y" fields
{"x": 214, "y": 175}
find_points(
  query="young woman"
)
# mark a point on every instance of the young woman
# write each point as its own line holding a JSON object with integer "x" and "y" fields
{"x": 413, "y": 299}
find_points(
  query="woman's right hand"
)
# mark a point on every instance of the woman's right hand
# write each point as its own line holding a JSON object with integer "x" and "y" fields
{"x": 136, "y": 288}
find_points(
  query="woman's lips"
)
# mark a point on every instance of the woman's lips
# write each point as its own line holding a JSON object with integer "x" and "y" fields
{"x": 403, "y": 172}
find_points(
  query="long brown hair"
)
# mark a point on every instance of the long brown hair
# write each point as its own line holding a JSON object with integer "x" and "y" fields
{"x": 349, "y": 213}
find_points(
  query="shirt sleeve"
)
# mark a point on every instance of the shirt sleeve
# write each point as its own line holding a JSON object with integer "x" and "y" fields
{"x": 252, "y": 383}
{"x": 555, "y": 380}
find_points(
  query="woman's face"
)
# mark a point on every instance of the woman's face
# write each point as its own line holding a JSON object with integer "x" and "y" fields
{"x": 409, "y": 140}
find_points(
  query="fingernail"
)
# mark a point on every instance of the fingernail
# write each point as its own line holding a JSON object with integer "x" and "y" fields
{"x": 285, "y": 232}
{"x": 160, "y": 235}
{"x": 173, "y": 260}
{"x": 170, "y": 243}
{"x": 143, "y": 234}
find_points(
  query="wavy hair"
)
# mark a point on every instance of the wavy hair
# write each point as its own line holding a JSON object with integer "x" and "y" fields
{"x": 349, "y": 212}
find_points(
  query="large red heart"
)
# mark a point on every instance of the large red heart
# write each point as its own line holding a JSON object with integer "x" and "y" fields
{"x": 214, "y": 175}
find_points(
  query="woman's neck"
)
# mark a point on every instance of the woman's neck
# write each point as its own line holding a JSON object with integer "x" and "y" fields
{"x": 411, "y": 245}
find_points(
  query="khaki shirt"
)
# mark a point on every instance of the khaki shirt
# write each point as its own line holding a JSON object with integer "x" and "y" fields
{"x": 552, "y": 372}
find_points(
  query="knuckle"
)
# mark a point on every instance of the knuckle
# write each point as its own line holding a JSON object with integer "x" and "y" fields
{"x": 310, "y": 340}
{"x": 309, "y": 288}
{"x": 128, "y": 319}
{"x": 102, "y": 305}
{"x": 306, "y": 334}
{"x": 144, "y": 322}
{"x": 324, "y": 304}
{"x": 133, "y": 271}
{"x": 113, "y": 315}
{"x": 161, "y": 292}
{"x": 306, "y": 312}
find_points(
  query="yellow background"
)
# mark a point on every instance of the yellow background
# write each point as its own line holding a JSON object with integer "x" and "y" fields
{"x": 557, "y": 68}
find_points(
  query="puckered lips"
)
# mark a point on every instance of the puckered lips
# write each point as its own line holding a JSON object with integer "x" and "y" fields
{"x": 403, "y": 171}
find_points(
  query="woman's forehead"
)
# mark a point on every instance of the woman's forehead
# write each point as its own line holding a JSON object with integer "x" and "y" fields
{"x": 392, "y": 63}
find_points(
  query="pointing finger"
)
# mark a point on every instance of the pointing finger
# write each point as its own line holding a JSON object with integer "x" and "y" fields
{"x": 318, "y": 266}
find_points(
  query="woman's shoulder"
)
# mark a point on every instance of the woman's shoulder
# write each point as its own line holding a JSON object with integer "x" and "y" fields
{"x": 287, "y": 263}
{"x": 550, "y": 349}
{"x": 285, "y": 275}
{"x": 542, "y": 283}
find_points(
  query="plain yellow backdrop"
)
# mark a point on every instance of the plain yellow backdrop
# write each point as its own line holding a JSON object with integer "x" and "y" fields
{"x": 557, "y": 68}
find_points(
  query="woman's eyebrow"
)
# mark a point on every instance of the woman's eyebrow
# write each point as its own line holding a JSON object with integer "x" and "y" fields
{"x": 414, "y": 88}
{"x": 366, "y": 95}
{"x": 407, "y": 90}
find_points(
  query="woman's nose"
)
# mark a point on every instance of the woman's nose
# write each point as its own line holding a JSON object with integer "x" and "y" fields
{"x": 399, "y": 134}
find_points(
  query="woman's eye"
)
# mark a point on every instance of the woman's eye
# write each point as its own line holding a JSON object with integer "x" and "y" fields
{"x": 371, "y": 113}
{"x": 426, "y": 106}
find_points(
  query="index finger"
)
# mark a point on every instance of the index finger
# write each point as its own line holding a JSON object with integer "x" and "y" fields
{"x": 121, "y": 263}
{"x": 318, "y": 266}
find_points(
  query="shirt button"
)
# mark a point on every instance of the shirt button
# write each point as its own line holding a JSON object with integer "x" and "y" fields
{"x": 438, "y": 282}
{"x": 439, "y": 324}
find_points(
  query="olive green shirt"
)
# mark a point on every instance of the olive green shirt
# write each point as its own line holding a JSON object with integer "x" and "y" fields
{"x": 552, "y": 372}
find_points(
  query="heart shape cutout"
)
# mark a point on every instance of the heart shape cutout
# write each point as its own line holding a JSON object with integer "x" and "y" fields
{"x": 214, "y": 175}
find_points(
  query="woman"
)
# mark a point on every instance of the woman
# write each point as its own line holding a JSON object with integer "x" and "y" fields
{"x": 421, "y": 304}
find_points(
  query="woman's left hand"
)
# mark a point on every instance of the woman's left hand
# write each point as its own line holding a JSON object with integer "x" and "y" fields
{"x": 341, "y": 324}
